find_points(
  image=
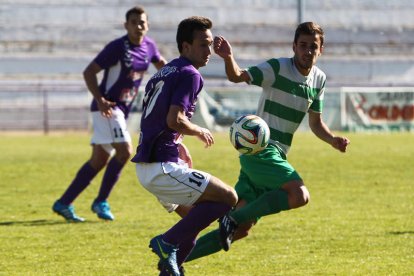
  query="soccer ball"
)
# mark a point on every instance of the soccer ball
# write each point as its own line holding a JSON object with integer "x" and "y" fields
{"x": 249, "y": 134}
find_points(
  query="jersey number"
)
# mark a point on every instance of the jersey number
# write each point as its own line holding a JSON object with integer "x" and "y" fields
{"x": 198, "y": 178}
{"x": 150, "y": 100}
{"x": 118, "y": 132}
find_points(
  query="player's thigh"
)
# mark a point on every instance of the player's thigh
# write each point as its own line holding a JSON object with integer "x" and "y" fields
{"x": 217, "y": 190}
{"x": 245, "y": 189}
{"x": 268, "y": 170}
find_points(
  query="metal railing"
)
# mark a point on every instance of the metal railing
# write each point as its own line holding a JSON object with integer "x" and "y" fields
{"x": 44, "y": 105}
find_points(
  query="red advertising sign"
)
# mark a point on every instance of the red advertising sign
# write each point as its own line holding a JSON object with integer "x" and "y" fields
{"x": 376, "y": 108}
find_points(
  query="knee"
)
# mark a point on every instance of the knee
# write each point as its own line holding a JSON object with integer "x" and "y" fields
{"x": 302, "y": 196}
{"x": 123, "y": 158}
{"x": 123, "y": 155}
{"x": 98, "y": 164}
{"x": 298, "y": 197}
{"x": 231, "y": 197}
{"x": 219, "y": 191}
{"x": 305, "y": 198}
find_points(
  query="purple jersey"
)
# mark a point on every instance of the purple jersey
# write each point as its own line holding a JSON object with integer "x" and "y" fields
{"x": 177, "y": 83}
{"x": 124, "y": 66}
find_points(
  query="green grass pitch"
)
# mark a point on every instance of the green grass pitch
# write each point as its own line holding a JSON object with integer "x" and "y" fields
{"x": 360, "y": 220}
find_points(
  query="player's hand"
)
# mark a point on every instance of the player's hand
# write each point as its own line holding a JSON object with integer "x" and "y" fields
{"x": 105, "y": 107}
{"x": 222, "y": 47}
{"x": 340, "y": 143}
{"x": 184, "y": 154}
{"x": 206, "y": 136}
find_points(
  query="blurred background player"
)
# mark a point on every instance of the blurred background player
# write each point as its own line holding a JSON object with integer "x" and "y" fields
{"x": 124, "y": 61}
{"x": 169, "y": 104}
{"x": 267, "y": 183}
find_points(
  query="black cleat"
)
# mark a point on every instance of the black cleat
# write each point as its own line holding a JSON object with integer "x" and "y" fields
{"x": 227, "y": 227}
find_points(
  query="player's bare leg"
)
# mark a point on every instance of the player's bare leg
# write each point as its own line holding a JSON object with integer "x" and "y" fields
{"x": 218, "y": 191}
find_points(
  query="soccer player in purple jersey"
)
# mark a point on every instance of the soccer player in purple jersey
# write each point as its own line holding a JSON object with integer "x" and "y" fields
{"x": 124, "y": 62}
{"x": 169, "y": 103}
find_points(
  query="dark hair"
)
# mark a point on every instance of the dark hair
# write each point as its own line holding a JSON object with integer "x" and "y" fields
{"x": 309, "y": 28}
{"x": 186, "y": 28}
{"x": 135, "y": 10}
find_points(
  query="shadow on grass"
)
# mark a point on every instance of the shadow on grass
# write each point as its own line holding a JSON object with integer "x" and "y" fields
{"x": 39, "y": 222}
{"x": 401, "y": 233}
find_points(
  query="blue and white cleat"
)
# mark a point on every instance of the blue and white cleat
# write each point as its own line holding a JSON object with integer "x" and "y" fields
{"x": 102, "y": 209}
{"x": 66, "y": 211}
{"x": 167, "y": 254}
{"x": 164, "y": 272}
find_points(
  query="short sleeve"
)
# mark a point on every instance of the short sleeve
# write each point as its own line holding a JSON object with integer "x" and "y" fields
{"x": 186, "y": 90}
{"x": 264, "y": 73}
{"x": 109, "y": 55}
{"x": 317, "y": 104}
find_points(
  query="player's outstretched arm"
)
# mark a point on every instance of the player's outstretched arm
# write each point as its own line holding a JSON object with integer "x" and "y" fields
{"x": 322, "y": 131}
{"x": 340, "y": 143}
{"x": 223, "y": 49}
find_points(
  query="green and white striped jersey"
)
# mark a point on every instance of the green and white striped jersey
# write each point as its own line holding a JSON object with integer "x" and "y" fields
{"x": 287, "y": 96}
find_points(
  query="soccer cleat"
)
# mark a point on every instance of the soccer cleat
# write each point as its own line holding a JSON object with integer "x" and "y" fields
{"x": 164, "y": 272}
{"x": 167, "y": 254}
{"x": 227, "y": 226}
{"x": 102, "y": 209}
{"x": 66, "y": 211}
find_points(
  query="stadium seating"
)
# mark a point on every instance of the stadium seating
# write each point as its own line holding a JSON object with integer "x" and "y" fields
{"x": 62, "y": 36}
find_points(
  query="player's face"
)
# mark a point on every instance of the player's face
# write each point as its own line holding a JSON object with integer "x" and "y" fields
{"x": 307, "y": 49}
{"x": 136, "y": 26}
{"x": 199, "y": 51}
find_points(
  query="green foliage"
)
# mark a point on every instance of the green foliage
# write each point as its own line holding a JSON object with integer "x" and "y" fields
{"x": 359, "y": 222}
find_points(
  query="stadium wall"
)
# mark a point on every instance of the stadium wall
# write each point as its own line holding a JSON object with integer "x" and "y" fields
{"x": 56, "y": 105}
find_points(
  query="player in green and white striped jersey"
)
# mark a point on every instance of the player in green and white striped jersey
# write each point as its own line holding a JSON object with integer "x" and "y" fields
{"x": 287, "y": 96}
{"x": 292, "y": 88}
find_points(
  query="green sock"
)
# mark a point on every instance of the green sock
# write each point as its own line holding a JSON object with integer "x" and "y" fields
{"x": 268, "y": 203}
{"x": 206, "y": 245}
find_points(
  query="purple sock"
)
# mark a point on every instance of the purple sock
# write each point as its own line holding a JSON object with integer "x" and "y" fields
{"x": 199, "y": 217}
{"x": 185, "y": 249}
{"x": 111, "y": 176}
{"x": 82, "y": 179}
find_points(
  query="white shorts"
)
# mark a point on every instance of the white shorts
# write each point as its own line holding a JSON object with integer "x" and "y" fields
{"x": 109, "y": 130}
{"x": 173, "y": 183}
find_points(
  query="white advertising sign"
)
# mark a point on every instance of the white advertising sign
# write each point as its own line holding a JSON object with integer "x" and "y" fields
{"x": 377, "y": 108}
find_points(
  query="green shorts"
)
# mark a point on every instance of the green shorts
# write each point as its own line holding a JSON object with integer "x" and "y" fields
{"x": 263, "y": 172}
